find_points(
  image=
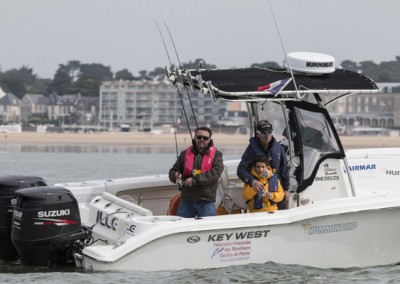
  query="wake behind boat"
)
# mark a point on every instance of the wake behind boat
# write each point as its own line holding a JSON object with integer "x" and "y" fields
{"x": 342, "y": 211}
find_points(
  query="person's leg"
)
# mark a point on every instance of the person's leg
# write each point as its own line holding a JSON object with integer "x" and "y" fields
{"x": 186, "y": 209}
{"x": 205, "y": 208}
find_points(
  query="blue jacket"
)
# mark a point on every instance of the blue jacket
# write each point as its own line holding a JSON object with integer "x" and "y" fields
{"x": 276, "y": 158}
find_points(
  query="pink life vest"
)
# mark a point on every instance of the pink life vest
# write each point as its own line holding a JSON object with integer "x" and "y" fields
{"x": 206, "y": 163}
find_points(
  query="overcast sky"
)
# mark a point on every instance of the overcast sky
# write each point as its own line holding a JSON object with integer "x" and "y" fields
{"x": 228, "y": 33}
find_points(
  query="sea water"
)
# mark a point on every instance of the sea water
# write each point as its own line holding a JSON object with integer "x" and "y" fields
{"x": 68, "y": 163}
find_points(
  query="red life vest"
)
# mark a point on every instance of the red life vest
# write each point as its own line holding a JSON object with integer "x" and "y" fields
{"x": 206, "y": 163}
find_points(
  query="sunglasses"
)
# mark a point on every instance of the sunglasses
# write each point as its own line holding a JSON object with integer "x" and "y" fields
{"x": 200, "y": 137}
{"x": 265, "y": 133}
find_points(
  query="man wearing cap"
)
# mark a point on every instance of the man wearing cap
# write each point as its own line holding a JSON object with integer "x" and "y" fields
{"x": 265, "y": 144}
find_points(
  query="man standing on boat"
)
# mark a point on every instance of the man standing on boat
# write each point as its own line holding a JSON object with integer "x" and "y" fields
{"x": 198, "y": 170}
{"x": 264, "y": 143}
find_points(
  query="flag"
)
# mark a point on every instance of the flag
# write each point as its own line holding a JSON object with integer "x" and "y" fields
{"x": 275, "y": 87}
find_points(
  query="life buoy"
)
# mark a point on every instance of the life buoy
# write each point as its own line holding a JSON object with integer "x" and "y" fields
{"x": 174, "y": 204}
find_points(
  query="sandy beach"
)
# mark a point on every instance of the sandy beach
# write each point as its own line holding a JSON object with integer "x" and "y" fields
{"x": 120, "y": 138}
{"x": 130, "y": 138}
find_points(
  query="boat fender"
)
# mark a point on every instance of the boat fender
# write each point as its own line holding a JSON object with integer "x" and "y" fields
{"x": 174, "y": 204}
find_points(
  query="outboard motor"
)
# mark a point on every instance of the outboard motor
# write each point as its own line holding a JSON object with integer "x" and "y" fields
{"x": 8, "y": 186}
{"x": 45, "y": 225}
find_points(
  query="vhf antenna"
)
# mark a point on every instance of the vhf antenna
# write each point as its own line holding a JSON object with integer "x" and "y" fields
{"x": 284, "y": 50}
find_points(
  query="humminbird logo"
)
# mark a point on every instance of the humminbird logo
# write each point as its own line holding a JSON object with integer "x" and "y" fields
{"x": 319, "y": 64}
{"x": 335, "y": 228}
{"x": 54, "y": 213}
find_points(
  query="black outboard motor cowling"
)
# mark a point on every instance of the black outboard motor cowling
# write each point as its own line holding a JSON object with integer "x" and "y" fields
{"x": 8, "y": 186}
{"x": 46, "y": 222}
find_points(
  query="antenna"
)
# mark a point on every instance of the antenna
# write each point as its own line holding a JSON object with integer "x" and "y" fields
{"x": 284, "y": 50}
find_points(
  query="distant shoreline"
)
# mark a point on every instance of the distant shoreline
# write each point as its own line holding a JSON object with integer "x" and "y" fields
{"x": 120, "y": 138}
{"x": 140, "y": 138}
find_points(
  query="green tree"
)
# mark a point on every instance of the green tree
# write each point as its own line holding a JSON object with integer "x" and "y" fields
{"x": 369, "y": 69}
{"x": 41, "y": 86}
{"x": 61, "y": 81}
{"x": 18, "y": 81}
{"x": 350, "y": 65}
{"x": 87, "y": 86}
{"x": 267, "y": 64}
{"x": 389, "y": 72}
{"x": 90, "y": 78}
{"x": 74, "y": 68}
{"x": 198, "y": 64}
{"x": 144, "y": 75}
{"x": 158, "y": 73}
{"x": 95, "y": 71}
{"x": 123, "y": 74}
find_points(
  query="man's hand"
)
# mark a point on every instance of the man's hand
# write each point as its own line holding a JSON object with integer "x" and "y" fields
{"x": 258, "y": 186}
{"x": 188, "y": 182}
{"x": 178, "y": 178}
{"x": 287, "y": 195}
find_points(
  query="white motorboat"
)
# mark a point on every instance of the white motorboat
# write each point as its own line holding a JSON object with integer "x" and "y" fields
{"x": 342, "y": 211}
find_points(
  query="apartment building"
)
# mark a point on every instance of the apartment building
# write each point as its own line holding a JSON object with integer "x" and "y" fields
{"x": 369, "y": 110}
{"x": 145, "y": 104}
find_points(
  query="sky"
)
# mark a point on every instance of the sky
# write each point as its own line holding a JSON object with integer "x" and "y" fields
{"x": 42, "y": 34}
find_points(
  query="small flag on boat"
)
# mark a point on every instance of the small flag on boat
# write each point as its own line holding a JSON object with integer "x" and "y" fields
{"x": 275, "y": 87}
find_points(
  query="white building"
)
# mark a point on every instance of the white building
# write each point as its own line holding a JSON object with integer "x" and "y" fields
{"x": 144, "y": 104}
{"x": 369, "y": 110}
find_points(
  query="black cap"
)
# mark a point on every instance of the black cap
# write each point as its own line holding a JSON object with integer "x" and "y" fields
{"x": 264, "y": 126}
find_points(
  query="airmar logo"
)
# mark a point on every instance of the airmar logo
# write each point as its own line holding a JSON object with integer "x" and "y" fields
{"x": 362, "y": 167}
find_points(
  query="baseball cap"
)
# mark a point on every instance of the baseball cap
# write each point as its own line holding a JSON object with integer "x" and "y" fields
{"x": 264, "y": 126}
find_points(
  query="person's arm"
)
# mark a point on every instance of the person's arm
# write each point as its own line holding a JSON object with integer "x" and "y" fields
{"x": 284, "y": 171}
{"x": 278, "y": 195}
{"x": 176, "y": 168}
{"x": 243, "y": 167}
{"x": 248, "y": 192}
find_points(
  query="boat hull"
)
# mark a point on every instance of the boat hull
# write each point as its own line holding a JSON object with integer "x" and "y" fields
{"x": 325, "y": 235}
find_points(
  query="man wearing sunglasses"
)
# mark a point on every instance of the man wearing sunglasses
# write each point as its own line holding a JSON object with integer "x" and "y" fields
{"x": 197, "y": 170}
{"x": 265, "y": 144}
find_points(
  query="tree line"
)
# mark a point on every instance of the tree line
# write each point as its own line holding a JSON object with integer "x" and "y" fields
{"x": 85, "y": 78}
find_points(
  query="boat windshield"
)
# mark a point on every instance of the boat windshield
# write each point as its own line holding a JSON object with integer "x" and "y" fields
{"x": 317, "y": 138}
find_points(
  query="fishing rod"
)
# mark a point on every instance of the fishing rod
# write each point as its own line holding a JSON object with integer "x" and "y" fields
{"x": 176, "y": 140}
{"x": 177, "y": 88}
{"x": 180, "y": 66}
{"x": 165, "y": 46}
{"x": 178, "y": 180}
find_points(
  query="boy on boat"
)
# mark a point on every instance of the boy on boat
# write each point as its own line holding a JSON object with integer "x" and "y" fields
{"x": 264, "y": 143}
{"x": 265, "y": 199}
